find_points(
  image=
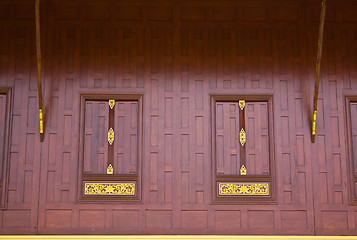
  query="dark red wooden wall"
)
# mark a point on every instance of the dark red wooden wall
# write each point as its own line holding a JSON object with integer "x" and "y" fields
{"x": 176, "y": 54}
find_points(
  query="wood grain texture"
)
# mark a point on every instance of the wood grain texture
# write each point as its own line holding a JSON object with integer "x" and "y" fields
{"x": 176, "y": 56}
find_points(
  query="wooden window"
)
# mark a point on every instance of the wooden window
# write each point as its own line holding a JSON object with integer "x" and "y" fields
{"x": 111, "y": 147}
{"x": 5, "y": 113}
{"x": 351, "y": 110}
{"x": 242, "y": 148}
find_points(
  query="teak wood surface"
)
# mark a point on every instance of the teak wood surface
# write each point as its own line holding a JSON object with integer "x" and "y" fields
{"x": 176, "y": 55}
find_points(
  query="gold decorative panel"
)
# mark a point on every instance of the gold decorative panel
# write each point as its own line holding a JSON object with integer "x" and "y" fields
{"x": 243, "y": 189}
{"x": 110, "y": 189}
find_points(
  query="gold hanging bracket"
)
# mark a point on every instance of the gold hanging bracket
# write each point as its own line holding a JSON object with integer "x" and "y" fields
{"x": 241, "y": 104}
{"x": 110, "y": 136}
{"x": 39, "y": 67}
{"x": 243, "y": 170}
{"x": 242, "y": 138}
{"x": 110, "y": 169}
{"x": 111, "y": 104}
{"x": 318, "y": 68}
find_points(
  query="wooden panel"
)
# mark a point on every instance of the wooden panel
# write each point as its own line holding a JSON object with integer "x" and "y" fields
{"x": 227, "y": 142}
{"x": 177, "y": 55}
{"x": 125, "y": 219}
{"x": 2, "y": 133}
{"x": 353, "y": 116}
{"x": 126, "y": 137}
{"x": 257, "y": 130}
{"x": 96, "y": 128}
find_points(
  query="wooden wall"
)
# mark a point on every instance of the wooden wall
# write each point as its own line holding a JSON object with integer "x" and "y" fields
{"x": 177, "y": 54}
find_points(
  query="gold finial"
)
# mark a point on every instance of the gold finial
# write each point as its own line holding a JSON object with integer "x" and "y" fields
{"x": 110, "y": 169}
{"x": 243, "y": 170}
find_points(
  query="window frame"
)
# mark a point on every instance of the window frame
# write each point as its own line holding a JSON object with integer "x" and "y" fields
{"x": 235, "y": 178}
{"x": 110, "y": 178}
{"x": 5, "y": 152}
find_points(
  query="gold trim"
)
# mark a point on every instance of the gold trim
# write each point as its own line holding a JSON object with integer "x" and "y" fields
{"x": 41, "y": 120}
{"x": 109, "y": 189}
{"x": 110, "y": 136}
{"x": 243, "y": 189}
{"x": 242, "y": 138}
{"x": 111, "y": 104}
{"x": 241, "y": 104}
{"x": 243, "y": 170}
{"x": 314, "y": 123}
{"x": 173, "y": 237}
{"x": 110, "y": 169}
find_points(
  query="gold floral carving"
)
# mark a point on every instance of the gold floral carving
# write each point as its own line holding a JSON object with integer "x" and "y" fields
{"x": 243, "y": 189}
{"x": 109, "y": 189}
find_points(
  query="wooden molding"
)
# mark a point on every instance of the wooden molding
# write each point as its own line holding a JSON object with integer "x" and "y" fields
{"x": 139, "y": 237}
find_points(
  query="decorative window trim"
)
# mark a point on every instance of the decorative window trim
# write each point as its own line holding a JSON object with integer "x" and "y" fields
{"x": 4, "y": 157}
{"x": 110, "y": 187}
{"x": 234, "y": 193}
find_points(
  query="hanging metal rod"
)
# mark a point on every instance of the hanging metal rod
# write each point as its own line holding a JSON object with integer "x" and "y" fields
{"x": 39, "y": 67}
{"x": 318, "y": 67}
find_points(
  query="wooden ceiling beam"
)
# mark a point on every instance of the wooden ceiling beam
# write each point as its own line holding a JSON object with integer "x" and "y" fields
{"x": 39, "y": 68}
{"x": 318, "y": 67}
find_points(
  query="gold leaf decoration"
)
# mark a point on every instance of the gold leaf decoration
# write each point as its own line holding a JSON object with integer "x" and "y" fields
{"x": 109, "y": 189}
{"x": 243, "y": 189}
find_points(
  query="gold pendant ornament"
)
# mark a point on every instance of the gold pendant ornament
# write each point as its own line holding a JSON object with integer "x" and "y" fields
{"x": 242, "y": 137}
{"x": 110, "y": 136}
{"x": 111, "y": 104}
{"x": 241, "y": 104}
